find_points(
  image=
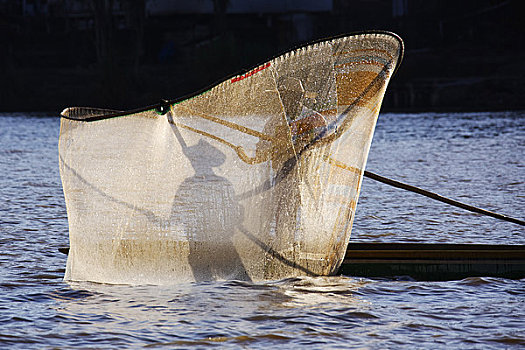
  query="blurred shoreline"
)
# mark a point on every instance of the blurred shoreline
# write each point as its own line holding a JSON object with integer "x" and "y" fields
{"x": 460, "y": 56}
{"x": 411, "y": 89}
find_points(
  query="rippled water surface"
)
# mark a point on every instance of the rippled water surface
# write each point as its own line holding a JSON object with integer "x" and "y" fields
{"x": 477, "y": 158}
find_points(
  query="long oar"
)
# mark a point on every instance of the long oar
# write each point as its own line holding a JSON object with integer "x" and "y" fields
{"x": 441, "y": 198}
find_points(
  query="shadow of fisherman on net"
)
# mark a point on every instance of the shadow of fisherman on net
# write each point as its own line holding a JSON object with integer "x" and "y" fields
{"x": 211, "y": 213}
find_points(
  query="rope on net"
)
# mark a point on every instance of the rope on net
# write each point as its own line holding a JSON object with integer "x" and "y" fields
{"x": 440, "y": 198}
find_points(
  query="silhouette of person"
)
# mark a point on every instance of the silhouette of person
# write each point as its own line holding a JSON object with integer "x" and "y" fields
{"x": 206, "y": 204}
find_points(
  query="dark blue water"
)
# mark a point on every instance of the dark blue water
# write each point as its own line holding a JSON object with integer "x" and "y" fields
{"x": 477, "y": 158}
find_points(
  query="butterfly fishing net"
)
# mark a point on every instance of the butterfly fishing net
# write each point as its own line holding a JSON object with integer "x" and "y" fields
{"x": 256, "y": 178}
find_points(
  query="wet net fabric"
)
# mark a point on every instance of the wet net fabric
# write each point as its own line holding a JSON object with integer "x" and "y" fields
{"x": 256, "y": 178}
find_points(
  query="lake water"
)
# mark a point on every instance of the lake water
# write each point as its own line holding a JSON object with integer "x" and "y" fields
{"x": 477, "y": 158}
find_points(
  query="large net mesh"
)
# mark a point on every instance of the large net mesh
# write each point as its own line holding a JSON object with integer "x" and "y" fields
{"x": 256, "y": 178}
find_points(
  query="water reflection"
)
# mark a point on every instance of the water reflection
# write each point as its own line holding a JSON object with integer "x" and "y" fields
{"x": 204, "y": 314}
{"x": 322, "y": 292}
{"x": 191, "y": 302}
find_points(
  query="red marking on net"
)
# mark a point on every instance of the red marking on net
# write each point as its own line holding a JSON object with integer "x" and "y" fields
{"x": 250, "y": 73}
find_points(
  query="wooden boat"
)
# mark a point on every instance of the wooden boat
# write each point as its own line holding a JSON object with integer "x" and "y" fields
{"x": 256, "y": 178}
{"x": 433, "y": 261}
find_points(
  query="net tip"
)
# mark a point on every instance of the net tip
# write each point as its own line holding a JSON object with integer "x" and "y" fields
{"x": 65, "y": 112}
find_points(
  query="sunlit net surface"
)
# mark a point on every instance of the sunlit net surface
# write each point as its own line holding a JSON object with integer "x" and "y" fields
{"x": 256, "y": 178}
